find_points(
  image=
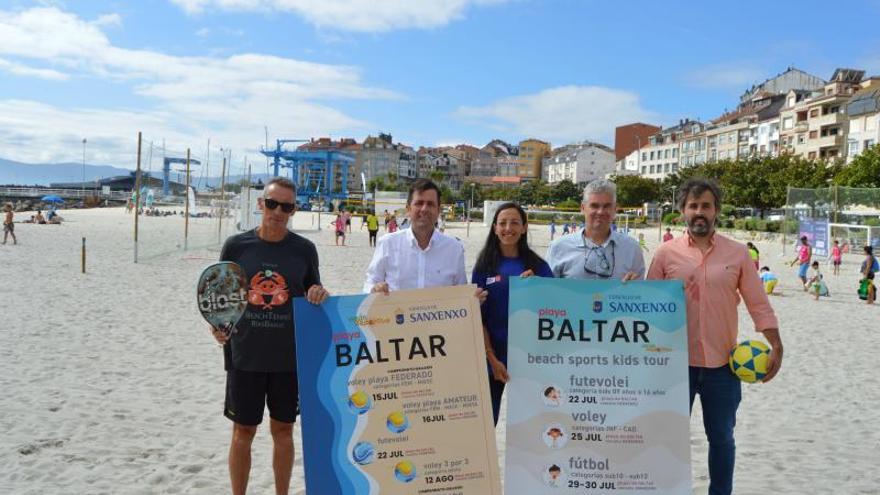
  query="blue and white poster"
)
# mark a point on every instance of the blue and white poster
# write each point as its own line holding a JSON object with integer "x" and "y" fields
{"x": 394, "y": 395}
{"x": 816, "y": 232}
{"x": 598, "y": 397}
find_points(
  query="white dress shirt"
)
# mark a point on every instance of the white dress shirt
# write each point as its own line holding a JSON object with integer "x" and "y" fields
{"x": 402, "y": 264}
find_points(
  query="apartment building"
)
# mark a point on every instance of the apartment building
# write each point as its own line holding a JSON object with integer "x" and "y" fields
{"x": 764, "y": 127}
{"x": 579, "y": 163}
{"x": 693, "y": 144}
{"x": 815, "y": 126}
{"x": 863, "y": 111}
{"x": 531, "y": 156}
{"x": 660, "y": 157}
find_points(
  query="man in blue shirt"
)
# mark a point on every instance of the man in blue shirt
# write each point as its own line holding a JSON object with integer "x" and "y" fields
{"x": 596, "y": 252}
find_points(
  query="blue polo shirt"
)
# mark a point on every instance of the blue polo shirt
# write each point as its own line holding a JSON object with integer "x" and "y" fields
{"x": 495, "y": 308}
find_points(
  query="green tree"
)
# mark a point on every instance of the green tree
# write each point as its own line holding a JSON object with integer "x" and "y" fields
{"x": 634, "y": 190}
{"x": 437, "y": 176}
{"x": 864, "y": 171}
{"x": 376, "y": 183}
{"x": 564, "y": 190}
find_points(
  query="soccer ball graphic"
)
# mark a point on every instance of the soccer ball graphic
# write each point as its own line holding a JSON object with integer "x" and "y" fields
{"x": 749, "y": 360}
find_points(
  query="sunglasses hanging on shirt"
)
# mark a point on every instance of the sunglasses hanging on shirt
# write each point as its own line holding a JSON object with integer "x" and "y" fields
{"x": 596, "y": 262}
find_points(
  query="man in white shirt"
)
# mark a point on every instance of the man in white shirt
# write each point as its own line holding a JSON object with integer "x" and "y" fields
{"x": 596, "y": 252}
{"x": 420, "y": 256}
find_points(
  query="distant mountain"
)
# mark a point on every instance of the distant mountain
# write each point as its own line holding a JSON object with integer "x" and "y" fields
{"x": 26, "y": 174}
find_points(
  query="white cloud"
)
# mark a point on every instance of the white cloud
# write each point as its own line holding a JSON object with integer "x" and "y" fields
{"x": 229, "y": 99}
{"x": 108, "y": 20}
{"x": 353, "y": 15}
{"x": 562, "y": 115}
{"x": 24, "y": 70}
{"x": 738, "y": 76}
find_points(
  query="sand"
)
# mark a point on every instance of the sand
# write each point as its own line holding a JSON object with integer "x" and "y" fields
{"x": 112, "y": 384}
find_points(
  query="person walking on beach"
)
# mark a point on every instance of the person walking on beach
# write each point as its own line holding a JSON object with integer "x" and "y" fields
{"x": 836, "y": 258}
{"x": 420, "y": 256}
{"x": 259, "y": 359}
{"x": 754, "y": 254}
{"x": 595, "y": 252}
{"x": 552, "y": 229}
{"x": 8, "y": 225}
{"x": 372, "y": 227}
{"x": 668, "y": 235}
{"x": 643, "y": 244}
{"x": 339, "y": 226}
{"x": 804, "y": 256}
{"x": 717, "y": 272}
{"x": 506, "y": 254}
{"x": 870, "y": 263}
{"x": 391, "y": 225}
{"x": 347, "y": 216}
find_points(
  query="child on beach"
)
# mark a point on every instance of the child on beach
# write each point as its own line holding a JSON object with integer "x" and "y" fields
{"x": 815, "y": 284}
{"x": 339, "y": 225}
{"x": 754, "y": 254}
{"x": 836, "y": 257}
{"x": 769, "y": 279}
{"x": 642, "y": 243}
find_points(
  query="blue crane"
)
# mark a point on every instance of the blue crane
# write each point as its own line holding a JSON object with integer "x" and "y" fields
{"x": 314, "y": 172}
{"x": 166, "y": 170}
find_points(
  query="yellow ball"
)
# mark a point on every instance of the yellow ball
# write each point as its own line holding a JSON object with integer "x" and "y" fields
{"x": 405, "y": 468}
{"x": 397, "y": 418}
{"x": 749, "y": 360}
{"x": 359, "y": 399}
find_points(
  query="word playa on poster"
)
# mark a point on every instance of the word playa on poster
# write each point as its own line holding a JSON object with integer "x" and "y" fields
{"x": 598, "y": 397}
{"x": 394, "y": 395}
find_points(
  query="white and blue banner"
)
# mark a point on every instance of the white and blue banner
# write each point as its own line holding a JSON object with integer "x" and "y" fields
{"x": 598, "y": 397}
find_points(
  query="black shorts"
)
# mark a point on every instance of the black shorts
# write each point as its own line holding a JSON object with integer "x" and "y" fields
{"x": 248, "y": 392}
{"x": 340, "y": 233}
{"x": 373, "y": 233}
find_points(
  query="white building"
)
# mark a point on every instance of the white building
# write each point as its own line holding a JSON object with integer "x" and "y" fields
{"x": 579, "y": 163}
{"x": 662, "y": 155}
{"x": 628, "y": 165}
{"x": 864, "y": 118}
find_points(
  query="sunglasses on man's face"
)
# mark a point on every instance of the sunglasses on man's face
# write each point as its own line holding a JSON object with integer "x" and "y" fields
{"x": 271, "y": 204}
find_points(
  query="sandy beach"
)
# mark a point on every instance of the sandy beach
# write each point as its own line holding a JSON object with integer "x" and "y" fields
{"x": 113, "y": 384}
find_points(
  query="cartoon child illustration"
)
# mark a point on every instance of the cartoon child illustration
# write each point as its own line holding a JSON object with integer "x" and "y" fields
{"x": 552, "y": 396}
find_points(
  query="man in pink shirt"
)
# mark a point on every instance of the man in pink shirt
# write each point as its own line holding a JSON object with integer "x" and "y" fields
{"x": 716, "y": 272}
{"x": 668, "y": 235}
{"x": 339, "y": 224}
{"x": 804, "y": 256}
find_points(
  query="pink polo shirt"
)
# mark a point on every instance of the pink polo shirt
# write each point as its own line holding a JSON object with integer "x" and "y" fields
{"x": 713, "y": 285}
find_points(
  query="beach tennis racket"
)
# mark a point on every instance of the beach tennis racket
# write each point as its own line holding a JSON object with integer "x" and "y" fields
{"x": 221, "y": 294}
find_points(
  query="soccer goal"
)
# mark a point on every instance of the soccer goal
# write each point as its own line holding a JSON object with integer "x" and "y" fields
{"x": 854, "y": 237}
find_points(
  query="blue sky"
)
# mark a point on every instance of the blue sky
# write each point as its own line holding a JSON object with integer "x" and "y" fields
{"x": 428, "y": 71}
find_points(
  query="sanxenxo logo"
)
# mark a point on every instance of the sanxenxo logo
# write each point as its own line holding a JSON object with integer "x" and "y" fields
{"x": 398, "y": 317}
{"x": 597, "y": 303}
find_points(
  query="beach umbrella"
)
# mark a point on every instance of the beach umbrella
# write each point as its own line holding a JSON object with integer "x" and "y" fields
{"x": 52, "y": 198}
